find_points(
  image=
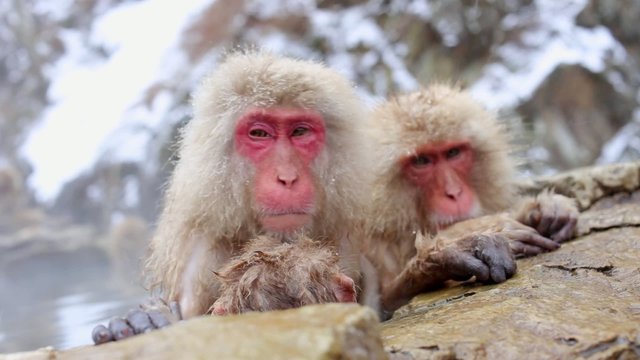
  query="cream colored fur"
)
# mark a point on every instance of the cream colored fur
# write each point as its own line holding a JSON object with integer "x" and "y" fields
{"x": 437, "y": 113}
{"x": 207, "y": 206}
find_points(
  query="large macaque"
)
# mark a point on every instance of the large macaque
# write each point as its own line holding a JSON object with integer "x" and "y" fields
{"x": 443, "y": 162}
{"x": 276, "y": 148}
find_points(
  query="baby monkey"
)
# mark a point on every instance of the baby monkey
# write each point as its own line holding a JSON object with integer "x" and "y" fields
{"x": 270, "y": 275}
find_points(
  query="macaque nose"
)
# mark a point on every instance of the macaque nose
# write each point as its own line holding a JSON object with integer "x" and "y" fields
{"x": 287, "y": 177}
{"x": 452, "y": 186}
{"x": 453, "y": 193}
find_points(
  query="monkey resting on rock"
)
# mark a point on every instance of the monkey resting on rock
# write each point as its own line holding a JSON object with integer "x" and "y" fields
{"x": 444, "y": 180}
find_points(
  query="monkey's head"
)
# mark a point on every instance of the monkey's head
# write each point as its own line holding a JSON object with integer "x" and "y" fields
{"x": 442, "y": 151}
{"x": 271, "y": 149}
{"x": 270, "y": 275}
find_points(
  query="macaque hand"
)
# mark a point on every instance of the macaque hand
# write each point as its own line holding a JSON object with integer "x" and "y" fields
{"x": 526, "y": 241}
{"x": 523, "y": 240}
{"x": 485, "y": 256}
{"x": 554, "y": 216}
{"x": 138, "y": 321}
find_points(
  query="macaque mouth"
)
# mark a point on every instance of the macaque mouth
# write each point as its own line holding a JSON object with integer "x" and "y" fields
{"x": 285, "y": 213}
{"x": 285, "y": 220}
{"x": 441, "y": 222}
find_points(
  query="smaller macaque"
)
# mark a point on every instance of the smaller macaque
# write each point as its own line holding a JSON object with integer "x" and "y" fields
{"x": 444, "y": 200}
{"x": 270, "y": 275}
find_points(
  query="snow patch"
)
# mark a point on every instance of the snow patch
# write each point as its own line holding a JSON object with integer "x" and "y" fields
{"x": 556, "y": 41}
{"x": 93, "y": 97}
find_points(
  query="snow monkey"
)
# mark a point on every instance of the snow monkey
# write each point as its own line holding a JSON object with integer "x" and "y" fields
{"x": 443, "y": 159}
{"x": 276, "y": 147}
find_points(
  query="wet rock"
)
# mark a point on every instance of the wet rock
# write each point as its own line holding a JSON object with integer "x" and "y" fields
{"x": 333, "y": 331}
{"x": 590, "y": 184}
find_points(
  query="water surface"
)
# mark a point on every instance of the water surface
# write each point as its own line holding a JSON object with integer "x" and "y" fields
{"x": 55, "y": 299}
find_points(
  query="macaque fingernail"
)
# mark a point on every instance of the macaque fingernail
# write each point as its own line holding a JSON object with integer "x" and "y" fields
{"x": 101, "y": 335}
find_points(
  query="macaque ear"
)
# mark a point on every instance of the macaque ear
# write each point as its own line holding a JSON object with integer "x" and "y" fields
{"x": 344, "y": 288}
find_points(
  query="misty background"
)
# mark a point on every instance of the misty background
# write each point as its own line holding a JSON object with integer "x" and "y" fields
{"x": 93, "y": 92}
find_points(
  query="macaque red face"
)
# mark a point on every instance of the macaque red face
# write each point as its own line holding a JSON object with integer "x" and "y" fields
{"x": 441, "y": 171}
{"x": 282, "y": 143}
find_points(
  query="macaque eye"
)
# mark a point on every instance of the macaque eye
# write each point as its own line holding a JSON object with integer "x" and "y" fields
{"x": 258, "y": 133}
{"x": 453, "y": 152}
{"x": 420, "y": 160}
{"x": 300, "y": 130}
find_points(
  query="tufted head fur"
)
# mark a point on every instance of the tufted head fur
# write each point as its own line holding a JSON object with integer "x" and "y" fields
{"x": 435, "y": 114}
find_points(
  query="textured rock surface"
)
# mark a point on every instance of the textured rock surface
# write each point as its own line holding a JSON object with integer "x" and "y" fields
{"x": 590, "y": 184}
{"x": 333, "y": 331}
{"x": 582, "y": 301}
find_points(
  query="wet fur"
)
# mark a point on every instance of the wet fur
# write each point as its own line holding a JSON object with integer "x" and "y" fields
{"x": 271, "y": 275}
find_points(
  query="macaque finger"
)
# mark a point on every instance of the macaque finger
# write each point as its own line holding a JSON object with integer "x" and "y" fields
{"x": 499, "y": 258}
{"x": 158, "y": 319}
{"x": 558, "y": 223}
{"x": 545, "y": 222}
{"x": 532, "y": 238}
{"x": 498, "y": 274}
{"x": 175, "y": 310}
{"x": 534, "y": 217}
{"x": 101, "y": 335}
{"x": 462, "y": 266}
{"x": 566, "y": 232}
{"x": 140, "y": 321}
{"x": 523, "y": 250}
{"x": 120, "y": 328}
{"x": 511, "y": 266}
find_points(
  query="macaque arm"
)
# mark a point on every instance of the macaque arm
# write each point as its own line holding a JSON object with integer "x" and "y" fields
{"x": 554, "y": 216}
{"x": 419, "y": 275}
{"x": 137, "y": 321}
{"x": 485, "y": 256}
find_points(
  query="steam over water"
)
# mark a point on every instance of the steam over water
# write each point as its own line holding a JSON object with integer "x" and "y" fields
{"x": 56, "y": 299}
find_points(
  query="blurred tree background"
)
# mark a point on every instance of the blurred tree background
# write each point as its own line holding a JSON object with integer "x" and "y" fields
{"x": 564, "y": 73}
{"x": 567, "y": 71}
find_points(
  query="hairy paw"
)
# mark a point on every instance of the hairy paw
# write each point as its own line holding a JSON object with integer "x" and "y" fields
{"x": 488, "y": 257}
{"x": 553, "y": 216}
